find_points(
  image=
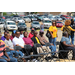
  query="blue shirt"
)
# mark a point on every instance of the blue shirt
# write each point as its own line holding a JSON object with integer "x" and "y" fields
{"x": 66, "y": 40}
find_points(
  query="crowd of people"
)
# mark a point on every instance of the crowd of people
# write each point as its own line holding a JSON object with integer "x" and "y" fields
{"x": 20, "y": 38}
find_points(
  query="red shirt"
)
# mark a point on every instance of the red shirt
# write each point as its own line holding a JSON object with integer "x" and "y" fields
{"x": 11, "y": 37}
{"x": 30, "y": 35}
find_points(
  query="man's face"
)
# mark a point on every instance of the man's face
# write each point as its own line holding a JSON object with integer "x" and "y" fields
{"x": 35, "y": 34}
{"x": 8, "y": 36}
{"x": 18, "y": 34}
{"x": 25, "y": 34}
{"x": 5, "y": 34}
{"x": 21, "y": 32}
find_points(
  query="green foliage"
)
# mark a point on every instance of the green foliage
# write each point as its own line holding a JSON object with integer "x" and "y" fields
{"x": 4, "y": 13}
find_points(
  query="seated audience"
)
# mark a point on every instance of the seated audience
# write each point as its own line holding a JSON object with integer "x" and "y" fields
{"x": 13, "y": 35}
{"x": 21, "y": 34}
{"x": 9, "y": 44}
{"x": 31, "y": 34}
{"x": 35, "y": 39}
{"x": 67, "y": 44}
{"x": 3, "y": 55}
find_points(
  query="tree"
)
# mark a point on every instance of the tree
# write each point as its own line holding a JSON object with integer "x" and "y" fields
{"x": 4, "y": 13}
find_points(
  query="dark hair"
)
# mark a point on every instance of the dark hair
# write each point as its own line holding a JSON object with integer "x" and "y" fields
{"x": 17, "y": 31}
{"x": 25, "y": 32}
{"x": 65, "y": 33}
{"x": 54, "y": 21}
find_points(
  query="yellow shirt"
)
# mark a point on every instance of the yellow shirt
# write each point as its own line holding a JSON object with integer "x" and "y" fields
{"x": 54, "y": 30}
{"x": 37, "y": 40}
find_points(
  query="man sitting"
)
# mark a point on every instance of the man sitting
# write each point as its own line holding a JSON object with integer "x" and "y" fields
{"x": 18, "y": 41}
{"x": 3, "y": 55}
{"x": 67, "y": 44}
{"x": 43, "y": 41}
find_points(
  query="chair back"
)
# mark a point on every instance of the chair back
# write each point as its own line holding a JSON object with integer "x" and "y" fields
{"x": 27, "y": 47}
{"x": 7, "y": 49}
{"x": 37, "y": 45}
{"x": 47, "y": 44}
{"x": 17, "y": 48}
{"x": 61, "y": 46}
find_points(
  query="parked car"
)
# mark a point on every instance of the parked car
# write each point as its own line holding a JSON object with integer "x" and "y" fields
{"x": 59, "y": 24}
{"x": 67, "y": 17}
{"x": 58, "y": 18}
{"x": 10, "y": 25}
{"x": 52, "y": 18}
{"x": 19, "y": 20}
{"x": 32, "y": 18}
{"x": 35, "y": 24}
{"x": 2, "y": 20}
{"x": 2, "y": 25}
{"x": 47, "y": 23}
{"x": 26, "y": 19}
{"x": 22, "y": 26}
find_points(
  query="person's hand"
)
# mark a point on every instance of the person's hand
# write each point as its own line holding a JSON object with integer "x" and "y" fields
{"x": 33, "y": 43}
{"x": 52, "y": 44}
{"x": 7, "y": 46}
{"x": 18, "y": 50}
{"x": 7, "y": 59}
{"x": 52, "y": 37}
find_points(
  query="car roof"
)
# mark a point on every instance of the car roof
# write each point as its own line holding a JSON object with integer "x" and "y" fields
{"x": 35, "y": 21}
{"x": 10, "y": 21}
{"x": 47, "y": 19}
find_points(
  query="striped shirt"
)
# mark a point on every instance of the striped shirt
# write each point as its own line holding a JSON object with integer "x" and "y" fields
{"x": 2, "y": 48}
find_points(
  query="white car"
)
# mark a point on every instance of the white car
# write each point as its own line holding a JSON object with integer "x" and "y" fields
{"x": 26, "y": 19}
{"x": 2, "y": 25}
{"x": 47, "y": 23}
{"x": 19, "y": 20}
{"x": 10, "y": 25}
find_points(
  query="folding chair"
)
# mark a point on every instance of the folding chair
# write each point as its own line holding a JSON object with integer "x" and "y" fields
{"x": 64, "y": 54}
{"x": 20, "y": 49}
{"x": 28, "y": 47}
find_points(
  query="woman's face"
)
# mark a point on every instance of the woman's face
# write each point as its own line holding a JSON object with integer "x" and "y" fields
{"x": 53, "y": 24}
{"x": 25, "y": 34}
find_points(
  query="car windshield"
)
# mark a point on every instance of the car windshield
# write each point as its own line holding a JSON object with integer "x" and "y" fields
{"x": 35, "y": 22}
{"x": 25, "y": 17}
{"x": 21, "y": 24}
{"x": 11, "y": 23}
{"x": 59, "y": 22}
{"x": 19, "y": 18}
{"x": 47, "y": 21}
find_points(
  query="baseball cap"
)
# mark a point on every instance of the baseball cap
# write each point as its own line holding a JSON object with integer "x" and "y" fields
{"x": 14, "y": 31}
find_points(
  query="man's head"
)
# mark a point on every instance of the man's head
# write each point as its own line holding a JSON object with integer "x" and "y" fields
{"x": 21, "y": 32}
{"x": 41, "y": 32}
{"x": 65, "y": 34}
{"x": 25, "y": 34}
{"x": 35, "y": 33}
{"x": 5, "y": 33}
{"x": 32, "y": 30}
{"x": 8, "y": 36}
{"x": 17, "y": 34}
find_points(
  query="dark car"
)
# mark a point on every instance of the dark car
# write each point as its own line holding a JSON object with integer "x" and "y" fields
{"x": 22, "y": 26}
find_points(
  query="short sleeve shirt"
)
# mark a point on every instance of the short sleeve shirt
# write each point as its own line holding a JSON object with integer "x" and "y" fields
{"x": 18, "y": 41}
{"x": 54, "y": 30}
{"x": 9, "y": 43}
{"x": 66, "y": 40}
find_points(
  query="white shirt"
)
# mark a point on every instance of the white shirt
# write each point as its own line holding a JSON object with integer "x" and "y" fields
{"x": 21, "y": 35}
{"x": 18, "y": 41}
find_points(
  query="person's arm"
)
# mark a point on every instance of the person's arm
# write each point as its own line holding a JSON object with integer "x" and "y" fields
{"x": 62, "y": 28}
{"x": 71, "y": 29}
{"x": 64, "y": 43}
{"x": 19, "y": 45}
